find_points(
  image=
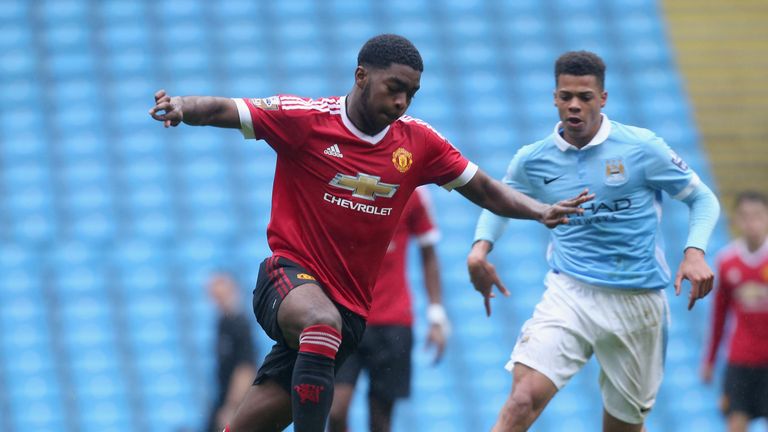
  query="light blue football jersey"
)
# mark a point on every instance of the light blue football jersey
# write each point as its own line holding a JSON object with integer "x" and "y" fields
{"x": 617, "y": 242}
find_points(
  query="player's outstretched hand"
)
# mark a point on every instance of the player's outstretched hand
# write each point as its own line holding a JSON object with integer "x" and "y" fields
{"x": 557, "y": 213}
{"x": 437, "y": 339}
{"x": 694, "y": 268}
{"x": 483, "y": 276}
{"x": 167, "y": 109}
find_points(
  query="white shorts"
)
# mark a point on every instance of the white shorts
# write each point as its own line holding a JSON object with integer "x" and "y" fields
{"x": 625, "y": 329}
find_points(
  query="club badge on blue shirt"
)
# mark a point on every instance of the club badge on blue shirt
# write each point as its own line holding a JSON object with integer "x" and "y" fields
{"x": 615, "y": 173}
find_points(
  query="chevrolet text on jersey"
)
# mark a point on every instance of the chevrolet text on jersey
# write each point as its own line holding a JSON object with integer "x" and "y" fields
{"x": 363, "y": 208}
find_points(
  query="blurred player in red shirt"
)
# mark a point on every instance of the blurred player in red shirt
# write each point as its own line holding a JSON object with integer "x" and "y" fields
{"x": 346, "y": 167}
{"x": 385, "y": 351}
{"x": 742, "y": 294}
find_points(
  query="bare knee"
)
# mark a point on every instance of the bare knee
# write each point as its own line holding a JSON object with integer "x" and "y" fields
{"x": 303, "y": 307}
{"x": 531, "y": 391}
{"x": 328, "y": 316}
{"x": 519, "y": 404}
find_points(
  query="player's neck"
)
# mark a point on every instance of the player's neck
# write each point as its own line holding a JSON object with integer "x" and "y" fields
{"x": 580, "y": 142}
{"x": 755, "y": 243}
{"x": 354, "y": 110}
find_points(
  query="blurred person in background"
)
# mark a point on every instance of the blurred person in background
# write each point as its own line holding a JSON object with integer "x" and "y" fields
{"x": 605, "y": 290}
{"x": 346, "y": 167}
{"x": 385, "y": 351}
{"x": 741, "y": 296}
{"x": 235, "y": 354}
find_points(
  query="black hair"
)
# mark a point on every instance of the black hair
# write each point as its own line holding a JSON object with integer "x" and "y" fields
{"x": 580, "y": 63}
{"x": 383, "y": 50}
{"x": 751, "y": 196}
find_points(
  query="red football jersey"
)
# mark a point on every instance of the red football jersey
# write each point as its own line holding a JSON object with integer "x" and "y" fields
{"x": 391, "y": 294}
{"x": 742, "y": 289}
{"x": 338, "y": 193}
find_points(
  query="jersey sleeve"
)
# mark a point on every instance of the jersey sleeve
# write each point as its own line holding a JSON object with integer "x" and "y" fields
{"x": 491, "y": 226}
{"x": 421, "y": 225}
{"x": 666, "y": 170}
{"x": 274, "y": 120}
{"x": 719, "y": 312}
{"x": 445, "y": 165}
{"x": 516, "y": 177}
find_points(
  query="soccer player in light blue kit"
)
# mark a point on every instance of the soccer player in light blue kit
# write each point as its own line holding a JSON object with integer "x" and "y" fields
{"x": 604, "y": 293}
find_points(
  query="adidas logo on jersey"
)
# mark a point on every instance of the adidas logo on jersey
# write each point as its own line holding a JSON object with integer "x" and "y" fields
{"x": 333, "y": 151}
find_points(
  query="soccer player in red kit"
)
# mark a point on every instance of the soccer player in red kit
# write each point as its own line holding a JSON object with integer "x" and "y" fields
{"x": 346, "y": 167}
{"x": 385, "y": 350}
{"x": 742, "y": 293}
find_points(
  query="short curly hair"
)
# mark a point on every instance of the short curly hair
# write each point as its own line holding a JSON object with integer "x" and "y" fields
{"x": 383, "y": 50}
{"x": 580, "y": 63}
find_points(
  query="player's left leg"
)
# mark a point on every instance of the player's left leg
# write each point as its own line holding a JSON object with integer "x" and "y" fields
{"x": 344, "y": 389}
{"x": 380, "y": 414}
{"x": 737, "y": 421}
{"x": 631, "y": 355}
{"x": 612, "y": 424}
{"x": 265, "y": 408}
{"x": 390, "y": 372}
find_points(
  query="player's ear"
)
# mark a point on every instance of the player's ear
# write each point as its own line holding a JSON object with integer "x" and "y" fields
{"x": 361, "y": 76}
{"x": 604, "y": 98}
{"x": 554, "y": 97}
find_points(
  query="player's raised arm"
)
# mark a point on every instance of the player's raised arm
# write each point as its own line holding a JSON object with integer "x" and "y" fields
{"x": 195, "y": 110}
{"x": 506, "y": 201}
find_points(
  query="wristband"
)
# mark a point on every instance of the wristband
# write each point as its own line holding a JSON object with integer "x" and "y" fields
{"x": 436, "y": 316}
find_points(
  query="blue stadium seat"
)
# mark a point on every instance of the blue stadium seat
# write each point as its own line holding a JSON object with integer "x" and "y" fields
{"x": 55, "y": 12}
{"x": 116, "y": 11}
{"x": 124, "y": 34}
{"x": 17, "y": 91}
{"x": 67, "y": 36}
{"x": 14, "y": 10}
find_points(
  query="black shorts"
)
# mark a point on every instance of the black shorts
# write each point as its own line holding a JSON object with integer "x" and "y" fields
{"x": 277, "y": 277}
{"x": 746, "y": 390}
{"x": 385, "y": 353}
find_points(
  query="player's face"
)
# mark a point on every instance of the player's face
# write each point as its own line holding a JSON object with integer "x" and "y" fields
{"x": 579, "y": 100}
{"x": 752, "y": 220}
{"x": 386, "y": 93}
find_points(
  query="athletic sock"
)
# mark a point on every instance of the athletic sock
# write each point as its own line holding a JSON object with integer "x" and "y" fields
{"x": 312, "y": 381}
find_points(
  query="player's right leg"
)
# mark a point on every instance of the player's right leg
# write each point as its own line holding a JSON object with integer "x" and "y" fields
{"x": 531, "y": 392}
{"x": 552, "y": 347}
{"x": 297, "y": 375}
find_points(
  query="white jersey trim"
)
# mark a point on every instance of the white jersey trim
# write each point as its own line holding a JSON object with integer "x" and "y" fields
{"x": 372, "y": 139}
{"x": 683, "y": 194}
{"x": 246, "y": 121}
{"x": 429, "y": 238}
{"x": 599, "y": 138}
{"x": 463, "y": 179}
{"x": 739, "y": 249}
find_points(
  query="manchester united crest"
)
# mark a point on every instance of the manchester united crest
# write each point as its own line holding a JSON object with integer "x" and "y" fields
{"x": 402, "y": 159}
